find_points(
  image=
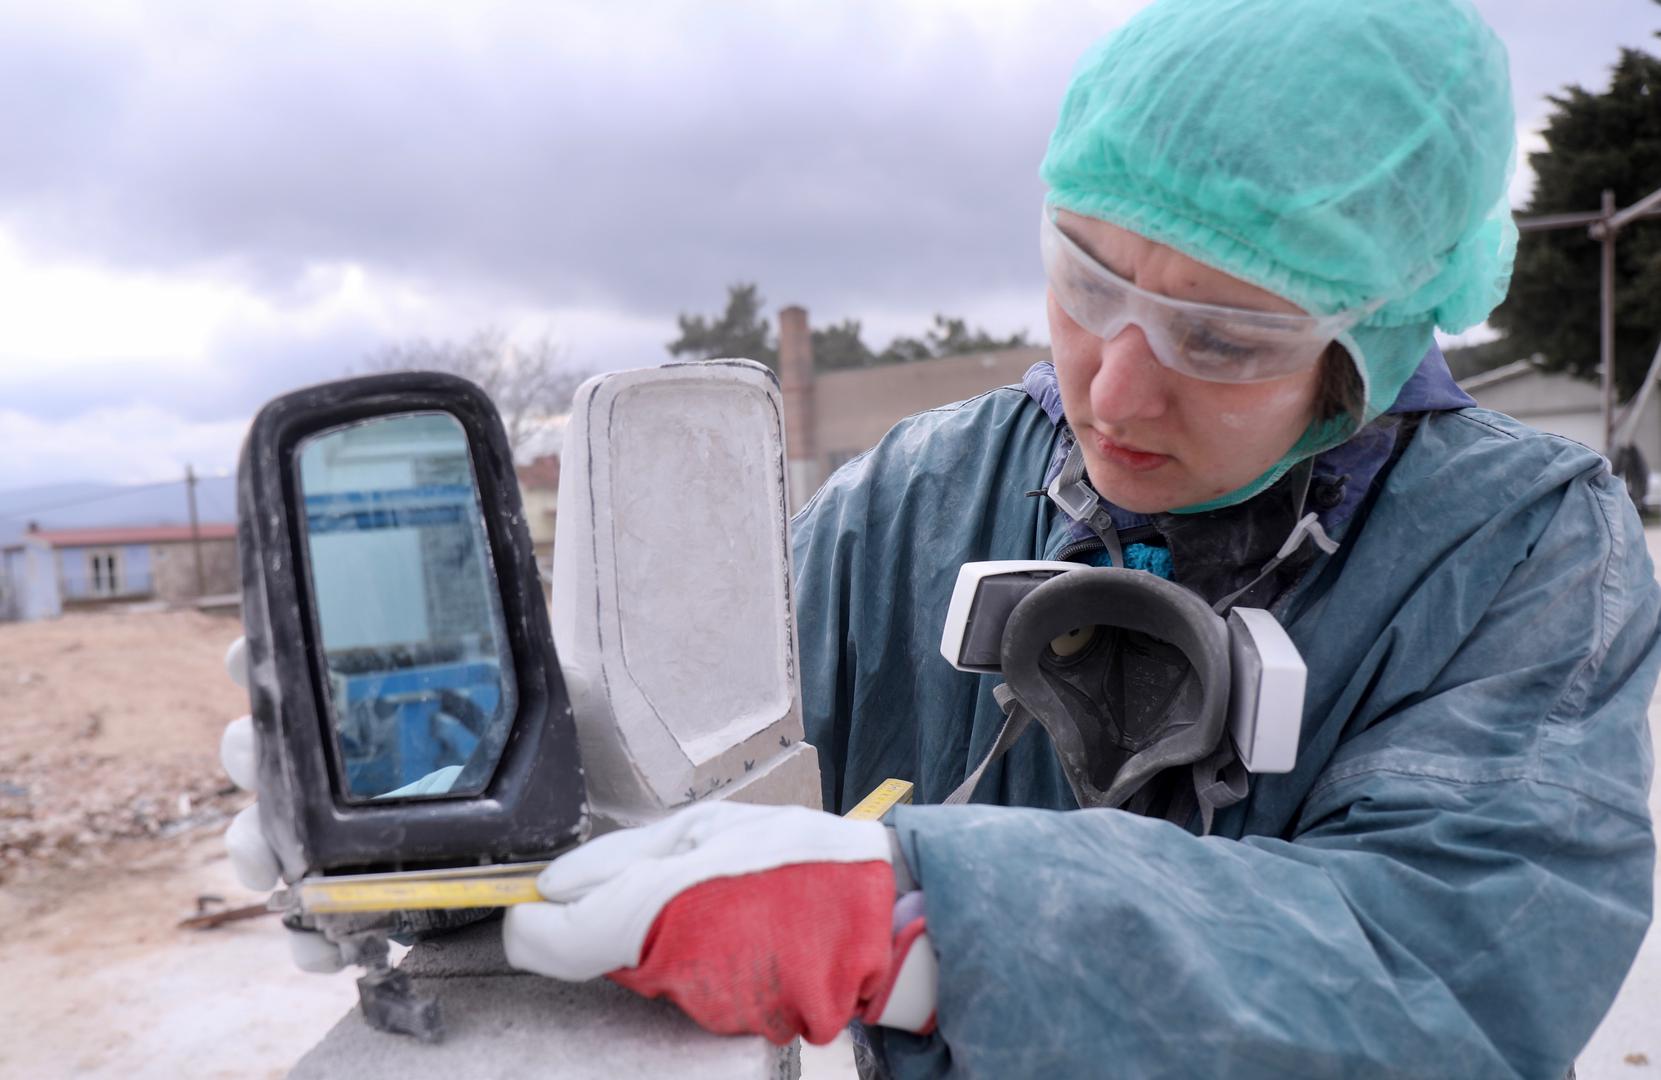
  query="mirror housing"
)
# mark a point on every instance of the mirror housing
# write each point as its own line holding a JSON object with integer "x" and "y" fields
{"x": 672, "y": 592}
{"x": 535, "y": 803}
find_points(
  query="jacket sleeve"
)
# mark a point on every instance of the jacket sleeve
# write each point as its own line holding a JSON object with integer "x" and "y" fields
{"x": 1461, "y": 893}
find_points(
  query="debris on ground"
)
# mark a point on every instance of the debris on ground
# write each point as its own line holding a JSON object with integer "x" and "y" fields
{"x": 109, "y": 730}
{"x": 211, "y": 912}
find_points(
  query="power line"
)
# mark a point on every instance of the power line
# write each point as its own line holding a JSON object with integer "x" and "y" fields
{"x": 83, "y": 500}
{"x": 211, "y": 501}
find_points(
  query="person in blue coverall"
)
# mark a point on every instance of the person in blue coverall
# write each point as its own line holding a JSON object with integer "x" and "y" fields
{"x": 1258, "y": 213}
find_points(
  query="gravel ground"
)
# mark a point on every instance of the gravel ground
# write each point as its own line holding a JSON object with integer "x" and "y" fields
{"x": 111, "y": 808}
{"x": 109, "y": 729}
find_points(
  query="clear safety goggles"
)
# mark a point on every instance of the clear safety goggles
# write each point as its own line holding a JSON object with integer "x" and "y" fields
{"x": 1206, "y": 341}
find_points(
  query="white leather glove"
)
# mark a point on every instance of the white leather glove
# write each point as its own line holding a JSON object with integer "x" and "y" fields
{"x": 775, "y": 920}
{"x": 251, "y": 854}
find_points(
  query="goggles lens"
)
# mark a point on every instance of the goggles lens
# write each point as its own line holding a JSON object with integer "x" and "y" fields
{"x": 1205, "y": 341}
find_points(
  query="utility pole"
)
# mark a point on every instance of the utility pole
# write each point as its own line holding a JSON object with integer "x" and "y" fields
{"x": 195, "y": 533}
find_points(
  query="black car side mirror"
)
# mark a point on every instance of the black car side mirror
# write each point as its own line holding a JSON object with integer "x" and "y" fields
{"x": 407, "y": 700}
{"x": 416, "y": 747}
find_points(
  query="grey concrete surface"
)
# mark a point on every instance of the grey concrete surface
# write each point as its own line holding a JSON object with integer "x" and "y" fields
{"x": 500, "y": 1022}
{"x": 1627, "y": 1046}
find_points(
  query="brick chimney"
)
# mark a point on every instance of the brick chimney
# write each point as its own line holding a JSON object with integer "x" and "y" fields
{"x": 796, "y": 383}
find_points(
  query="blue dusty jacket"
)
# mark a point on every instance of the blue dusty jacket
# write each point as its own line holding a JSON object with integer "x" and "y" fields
{"x": 1453, "y": 881}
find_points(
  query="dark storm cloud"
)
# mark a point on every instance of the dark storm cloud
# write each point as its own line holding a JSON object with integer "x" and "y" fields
{"x": 815, "y": 154}
{"x": 249, "y": 368}
{"x": 838, "y": 157}
{"x": 859, "y": 157}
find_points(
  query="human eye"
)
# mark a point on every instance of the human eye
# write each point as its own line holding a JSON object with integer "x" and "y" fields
{"x": 1082, "y": 294}
{"x": 1091, "y": 287}
{"x": 1210, "y": 348}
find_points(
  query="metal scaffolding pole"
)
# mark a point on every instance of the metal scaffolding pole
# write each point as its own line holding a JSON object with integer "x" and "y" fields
{"x": 1604, "y": 225}
{"x": 1606, "y": 324}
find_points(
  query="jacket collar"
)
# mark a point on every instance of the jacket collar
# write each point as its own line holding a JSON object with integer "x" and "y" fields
{"x": 1217, "y": 552}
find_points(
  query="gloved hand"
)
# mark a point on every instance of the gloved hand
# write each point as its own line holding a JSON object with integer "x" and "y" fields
{"x": 772, "y": 920}
{"x": 252, "y": 858}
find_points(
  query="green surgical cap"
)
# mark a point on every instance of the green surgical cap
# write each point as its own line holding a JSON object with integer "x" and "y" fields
{"x": 1339, "y": 153}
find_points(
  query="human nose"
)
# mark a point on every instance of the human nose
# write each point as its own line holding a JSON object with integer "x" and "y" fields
{"x": 1129, "y": 383}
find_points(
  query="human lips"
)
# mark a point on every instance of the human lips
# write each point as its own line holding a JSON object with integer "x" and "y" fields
{"x": 1129, "y": 457}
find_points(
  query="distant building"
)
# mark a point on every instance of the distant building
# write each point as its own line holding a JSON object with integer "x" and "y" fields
{"x": 1564, "y": 405}
{"x": 539, "y": 491}
{"x": 831, "y": 416}
{"x": 46, "y": 572}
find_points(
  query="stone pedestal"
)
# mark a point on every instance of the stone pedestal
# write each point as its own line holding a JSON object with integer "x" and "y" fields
{"x": 502, "y": 1022}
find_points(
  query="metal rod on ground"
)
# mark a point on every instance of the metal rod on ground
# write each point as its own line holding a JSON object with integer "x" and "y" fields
{"x": 195, "y": 533}
{"x": 207, "y": 920}
{"x": 1606, "y": 324}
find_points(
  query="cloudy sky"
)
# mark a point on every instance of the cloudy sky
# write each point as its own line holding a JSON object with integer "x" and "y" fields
{"x": 204, "y": 204}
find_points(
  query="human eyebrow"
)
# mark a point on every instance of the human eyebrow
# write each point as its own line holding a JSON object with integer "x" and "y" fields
{"x": 1096, "y": 258}
{"x": 1190, "y": 289}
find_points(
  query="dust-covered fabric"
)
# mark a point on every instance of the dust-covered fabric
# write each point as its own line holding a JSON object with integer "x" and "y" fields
{"x": 1454, "y": 880}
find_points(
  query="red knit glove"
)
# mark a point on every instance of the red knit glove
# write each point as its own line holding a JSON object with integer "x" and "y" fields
{"x": 775, "y": 921}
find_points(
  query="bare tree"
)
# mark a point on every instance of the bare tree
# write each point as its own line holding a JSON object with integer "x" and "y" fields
{"x": 530, "y": 384}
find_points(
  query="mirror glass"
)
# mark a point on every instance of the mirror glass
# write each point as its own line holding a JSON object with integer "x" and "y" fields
{"x": 421, "y": 683}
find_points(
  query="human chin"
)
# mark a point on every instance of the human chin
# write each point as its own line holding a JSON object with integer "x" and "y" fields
{"x": 1185, "y": 479}
{"x": 1141, "y": 490}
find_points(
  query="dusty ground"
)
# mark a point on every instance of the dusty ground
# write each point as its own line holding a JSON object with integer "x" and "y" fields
{"x": 85, "y": 698}
{"x": 111, "y": 806}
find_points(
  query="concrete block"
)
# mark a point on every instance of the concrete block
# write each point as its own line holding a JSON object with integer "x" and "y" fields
{"x": 500, "y": 1022}
{"x": 671, "y": 594}
{"x": 791, "y": 780}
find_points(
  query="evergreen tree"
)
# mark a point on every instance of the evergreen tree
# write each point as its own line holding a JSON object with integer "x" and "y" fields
{"x": 1594, "y": 141}
{"x": 948, "y": 337}
{"x": 741, "y": 330}
{"x": 840, "y": 347}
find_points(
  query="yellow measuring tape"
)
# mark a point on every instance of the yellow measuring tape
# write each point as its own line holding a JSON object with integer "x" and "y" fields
{"x": 488, "y": 886}
{"x": 423, "y": 890}
{"x": 883, "y": 798}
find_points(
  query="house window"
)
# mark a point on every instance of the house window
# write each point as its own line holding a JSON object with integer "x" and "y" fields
{"x": 104, "y": 572}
